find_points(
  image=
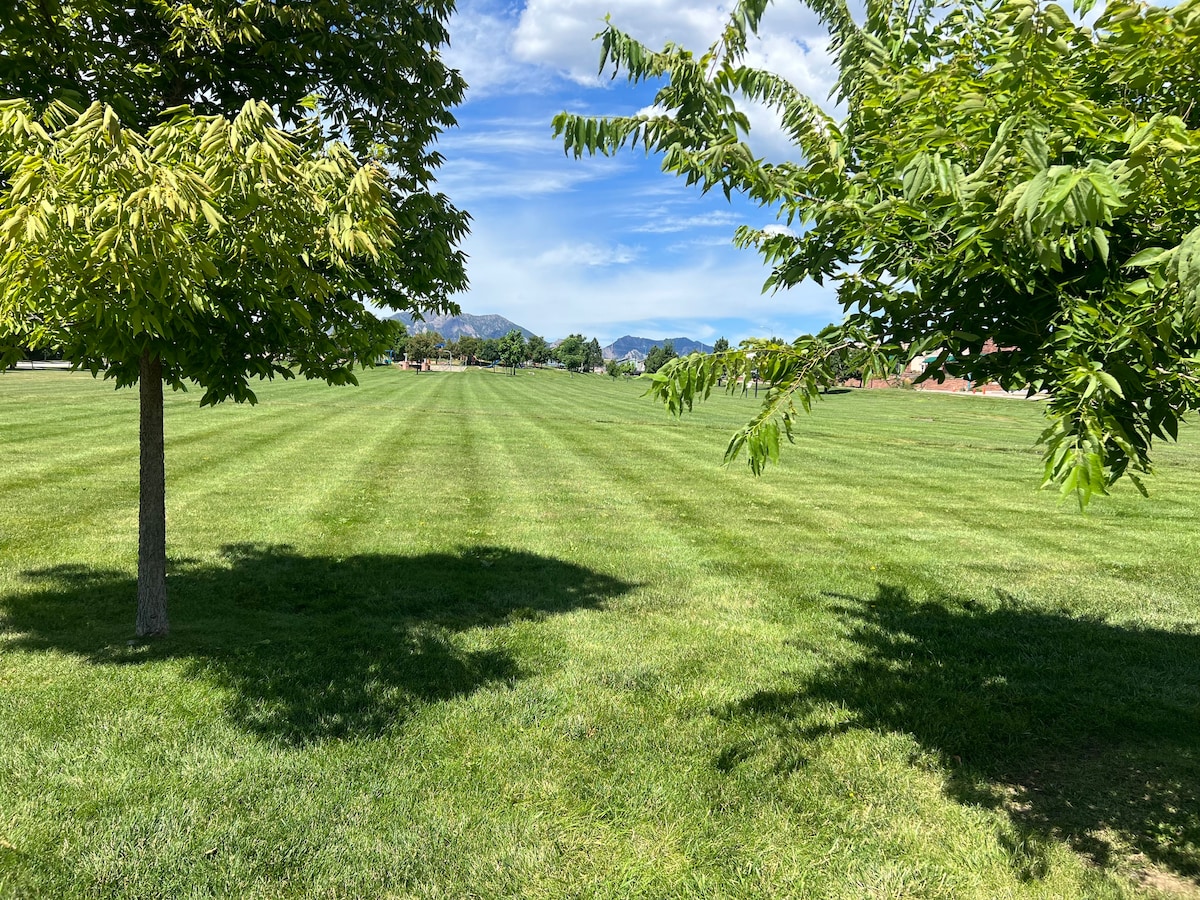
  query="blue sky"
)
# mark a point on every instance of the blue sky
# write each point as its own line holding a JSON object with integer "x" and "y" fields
{"x": 608, "y": 247}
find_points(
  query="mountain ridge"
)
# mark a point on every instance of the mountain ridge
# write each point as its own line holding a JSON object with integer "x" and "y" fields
{"x": 463, "y": 325}
{"x": 623, "y": 346}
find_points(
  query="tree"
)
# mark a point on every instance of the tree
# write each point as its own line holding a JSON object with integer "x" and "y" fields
{"x": 572, "y": 352}
{"x": 423, "y": 345}
{"x": 112, "y": 246}
{"x": 469, "y": 348}
{"x": 618, "y": 367}
{"x": 537, "y": 350}
{"x": 1003, "y": 179}
{"x": 653, "y": 361}
{"x": 660, "y": 356}
{"x": 489, "y": 349}
{"x": 512, "y": 349}
{"x": 595, "y": 356}
{"x": 241, "y": 291}
{"x": 721, "y": 345}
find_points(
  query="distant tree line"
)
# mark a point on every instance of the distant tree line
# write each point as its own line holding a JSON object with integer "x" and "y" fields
{"x": 575, "y": 353}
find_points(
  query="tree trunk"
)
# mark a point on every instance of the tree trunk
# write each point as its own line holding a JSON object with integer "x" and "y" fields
{"x": 152, "y": 504}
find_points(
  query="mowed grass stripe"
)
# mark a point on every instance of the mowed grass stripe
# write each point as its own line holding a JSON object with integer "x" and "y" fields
{"x": 594, "y": 783}
{"x": 252, "y": 457}
{"x": 44, "y": 437}
{"x": 591, "y": 494}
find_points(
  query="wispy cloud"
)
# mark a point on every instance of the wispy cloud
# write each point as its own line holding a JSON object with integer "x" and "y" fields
{"x": 472, "y": 180}
{"x": 588, "y": 254}
{"x": 671, "y": 224}
{"x": 643, "y": 293}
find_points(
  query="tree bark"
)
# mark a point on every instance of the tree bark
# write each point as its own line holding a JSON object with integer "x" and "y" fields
{"x": 152, "y": 504}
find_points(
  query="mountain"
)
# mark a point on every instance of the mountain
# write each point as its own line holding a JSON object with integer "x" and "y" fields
{"x": 621, "y": 347}
{"x": 463, "y": 325}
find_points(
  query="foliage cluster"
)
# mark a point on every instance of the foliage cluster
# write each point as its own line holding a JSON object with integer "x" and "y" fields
{"x": 578, "y": 354}
{"x": 659, "y": 356}
{"x": 538, "y": 350}
{"x": 513, "y": 349}
{"x": 117, "y": 245}
{"x": 422, "y": 345}
{"x": 1004, "y": 178}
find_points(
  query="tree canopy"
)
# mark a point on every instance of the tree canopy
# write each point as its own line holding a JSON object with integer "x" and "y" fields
{"x": 572, "y": 352}
{"x": 374, "y": 66}
{"x": 1003, "y": 178}
{"x": 224, "y": 248}
{"x": 659, "y": 356}
{"x": 423, "y": 345}
{"x": 537, "y": 349}
{"x": 512, "y": 349}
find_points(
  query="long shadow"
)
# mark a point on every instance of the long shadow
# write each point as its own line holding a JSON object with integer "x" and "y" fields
{"x": 1081, "y": 731}
{"x": 309, "y": 648}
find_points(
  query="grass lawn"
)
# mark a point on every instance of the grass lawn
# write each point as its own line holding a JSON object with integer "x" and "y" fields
{"x": 471, "y": 635}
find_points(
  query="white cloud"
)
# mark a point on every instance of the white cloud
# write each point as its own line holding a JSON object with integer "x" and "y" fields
{"x": 505, "y": 136}
{"x": 690, "y": 245}
{"x": 669, "y": 224}
{"x": 481, "y": 38}
{"x": 588, "y": 254}
{"x": 469, "y": 181}
{"x": 654, "y": 112}
{"x": 558, "y": 33}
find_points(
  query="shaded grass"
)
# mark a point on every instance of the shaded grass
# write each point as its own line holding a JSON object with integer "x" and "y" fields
{"x": 473, "y": 635}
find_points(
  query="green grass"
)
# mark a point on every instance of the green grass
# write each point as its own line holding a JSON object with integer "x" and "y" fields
{"x": 468, "y": 635}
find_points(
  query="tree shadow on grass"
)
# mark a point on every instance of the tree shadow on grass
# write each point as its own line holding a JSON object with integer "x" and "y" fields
{"x": 309, "y": 648}
{"x": 1081, "y": 731}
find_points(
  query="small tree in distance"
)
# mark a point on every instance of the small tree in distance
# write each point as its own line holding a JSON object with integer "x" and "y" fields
{"x": 659, "y": 356}
{"x": 489, "y": 349}
{"x": 512, "y": 350}
{"x": 469, "y": 348}
{"x": 595, "y": 355}
{"x": 399, "y": 340}
{"x": 537, "y": 351}
{"x": 423, "y": 345}
{"x": 572, "y": 352}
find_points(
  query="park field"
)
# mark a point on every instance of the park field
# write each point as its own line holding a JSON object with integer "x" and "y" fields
{"x": 469, "y": 635}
